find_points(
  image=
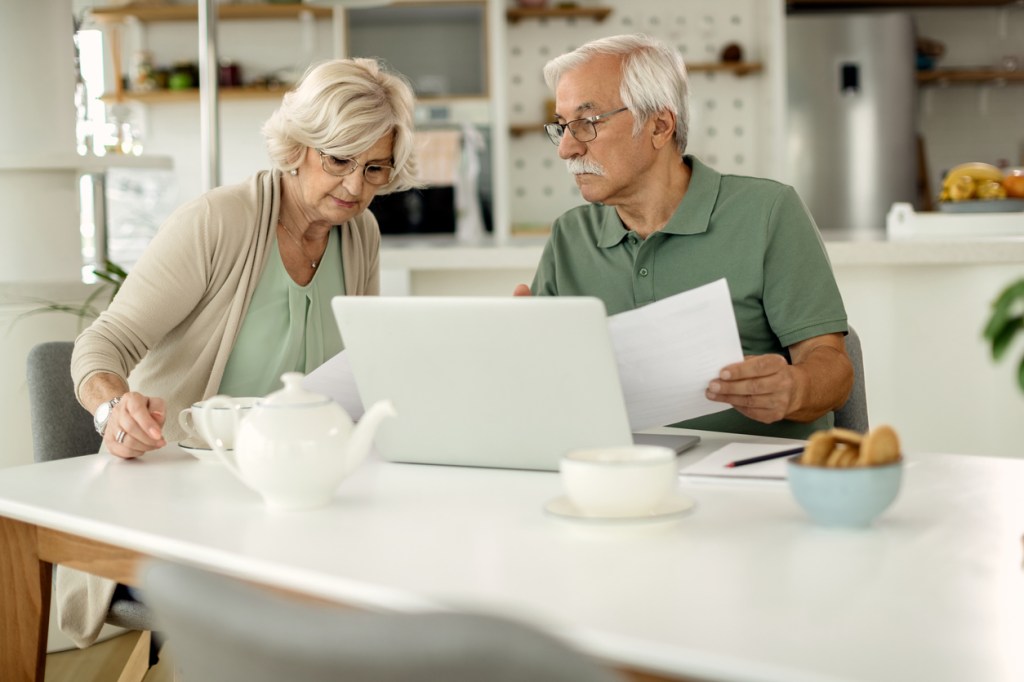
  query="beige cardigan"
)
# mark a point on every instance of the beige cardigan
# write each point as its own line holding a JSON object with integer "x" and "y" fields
{"x": 171, "y": 327}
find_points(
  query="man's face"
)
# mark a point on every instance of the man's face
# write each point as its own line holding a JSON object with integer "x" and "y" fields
{"x": 608, "y": 169}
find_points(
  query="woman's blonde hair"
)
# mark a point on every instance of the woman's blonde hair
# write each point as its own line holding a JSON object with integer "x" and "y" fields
{"x": 343, "y": 107}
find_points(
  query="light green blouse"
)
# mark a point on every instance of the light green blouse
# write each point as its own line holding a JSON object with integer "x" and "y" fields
{"x": 287, "y": 328}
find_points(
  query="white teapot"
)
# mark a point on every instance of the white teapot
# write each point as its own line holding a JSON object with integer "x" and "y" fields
{"x": 295, "y": 447}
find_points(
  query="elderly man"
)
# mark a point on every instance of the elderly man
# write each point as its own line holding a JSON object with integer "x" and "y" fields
{"x": 660, "y": 222}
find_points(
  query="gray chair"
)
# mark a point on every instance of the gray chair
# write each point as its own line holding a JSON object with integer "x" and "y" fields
{"x": 220, "y": 629}
{"x": 62, "y": 428}
{"x": 854, "y": 414}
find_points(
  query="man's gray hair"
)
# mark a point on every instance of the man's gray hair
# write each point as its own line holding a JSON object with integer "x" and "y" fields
{"x": 653, "y": 77}
{"x": 343, "y": 106}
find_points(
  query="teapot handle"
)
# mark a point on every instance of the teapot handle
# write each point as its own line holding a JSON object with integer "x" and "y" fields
{"x": 201, "y": 418}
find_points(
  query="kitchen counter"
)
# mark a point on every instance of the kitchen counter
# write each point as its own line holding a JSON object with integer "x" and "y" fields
{"x": 446, "y": 253}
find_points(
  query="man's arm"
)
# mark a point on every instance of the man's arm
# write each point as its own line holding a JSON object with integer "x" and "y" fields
{"x": 767, "y": 389}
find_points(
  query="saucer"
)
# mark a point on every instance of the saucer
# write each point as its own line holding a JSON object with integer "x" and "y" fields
{"x": 673, "y": 507}
{"x": 200, "y": 452}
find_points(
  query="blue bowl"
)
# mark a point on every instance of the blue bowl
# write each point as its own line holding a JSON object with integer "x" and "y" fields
{"x": 850, "y": 497}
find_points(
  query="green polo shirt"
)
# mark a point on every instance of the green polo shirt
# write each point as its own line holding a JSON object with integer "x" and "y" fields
{"x": 756, "y": 233}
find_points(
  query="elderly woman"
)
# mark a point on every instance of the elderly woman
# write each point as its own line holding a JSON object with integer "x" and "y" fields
{"x": 235, "y": 288}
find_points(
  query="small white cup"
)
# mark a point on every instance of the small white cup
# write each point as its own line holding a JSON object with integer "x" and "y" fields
{"x": 621, "y": 481}
{"x": 222, "y": 420}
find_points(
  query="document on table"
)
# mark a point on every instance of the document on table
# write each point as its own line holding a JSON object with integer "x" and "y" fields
{"x": 714, "y": 465}
{"x": 670, "y": 350}
{"x": 334, "y": 378}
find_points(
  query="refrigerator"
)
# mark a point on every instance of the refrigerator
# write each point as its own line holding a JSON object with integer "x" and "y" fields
{"x": 851, "y": 108}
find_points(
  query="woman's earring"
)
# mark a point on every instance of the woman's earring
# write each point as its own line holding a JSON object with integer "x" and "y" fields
{"x": 293, "y": 171}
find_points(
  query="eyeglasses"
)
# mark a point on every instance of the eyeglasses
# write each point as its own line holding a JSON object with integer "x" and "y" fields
{"x": 373, "y": 173}
{"x": 583, "y": 129}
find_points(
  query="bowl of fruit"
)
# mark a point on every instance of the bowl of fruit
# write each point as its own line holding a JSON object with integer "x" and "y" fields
{"x": 978, "y": 187}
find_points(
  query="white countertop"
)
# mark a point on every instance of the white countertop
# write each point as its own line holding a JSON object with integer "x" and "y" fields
{"x": 859, "y": 249}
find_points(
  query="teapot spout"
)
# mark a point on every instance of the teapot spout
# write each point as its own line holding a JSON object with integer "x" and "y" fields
{"x": 362, "y": 436}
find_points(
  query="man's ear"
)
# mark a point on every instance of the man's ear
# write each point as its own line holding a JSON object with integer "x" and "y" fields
{"x": 664, "y": 128}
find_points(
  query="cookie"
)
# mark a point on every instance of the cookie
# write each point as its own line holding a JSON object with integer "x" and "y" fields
{"x": 880, "y": 446}
{"x": 842, "y": 456}
{"x": 847, "y": 436}
{"x": 819, "y": 447}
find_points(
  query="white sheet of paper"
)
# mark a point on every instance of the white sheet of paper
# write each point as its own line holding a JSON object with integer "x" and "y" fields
{"x": 334, "y": 378}
{"x": 714, "y": 464}
{"x": 670, "y": 350}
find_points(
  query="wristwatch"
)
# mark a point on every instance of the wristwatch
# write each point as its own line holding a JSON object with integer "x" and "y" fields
{"x": 99, "y": 420}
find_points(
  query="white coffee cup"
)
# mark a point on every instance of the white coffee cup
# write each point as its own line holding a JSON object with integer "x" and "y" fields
{"x": 631, "y": 480}
{"x": 222, "y": 420}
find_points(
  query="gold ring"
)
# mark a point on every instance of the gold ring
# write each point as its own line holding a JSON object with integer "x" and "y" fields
{"x": 120, "y": 436}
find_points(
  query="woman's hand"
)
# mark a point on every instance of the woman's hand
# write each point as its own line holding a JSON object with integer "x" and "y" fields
{"x": 135, "y": 426}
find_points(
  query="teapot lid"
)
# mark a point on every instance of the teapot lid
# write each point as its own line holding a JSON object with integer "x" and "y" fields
{"x": 293, "y": 394}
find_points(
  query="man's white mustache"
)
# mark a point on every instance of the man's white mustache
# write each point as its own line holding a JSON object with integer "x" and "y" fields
{"x": 578, "y": 166}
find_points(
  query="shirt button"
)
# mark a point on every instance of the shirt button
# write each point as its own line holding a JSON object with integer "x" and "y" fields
{"x": 643, "y": 272}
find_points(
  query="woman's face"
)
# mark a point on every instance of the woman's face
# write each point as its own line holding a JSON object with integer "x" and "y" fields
{"x": 335, "y": 200}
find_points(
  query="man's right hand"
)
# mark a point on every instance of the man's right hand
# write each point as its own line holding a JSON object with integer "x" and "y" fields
{"x": 522, "y": 290}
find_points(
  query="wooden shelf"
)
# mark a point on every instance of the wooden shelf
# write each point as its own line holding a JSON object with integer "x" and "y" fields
{"x": 968, "y": 76}
{"x": 516, "y": 14}
{"x": 736, "y": 68}
{"x": 862, "y": 4}
{"x": 192, "y": 94}
{"x": 152, "y": 12}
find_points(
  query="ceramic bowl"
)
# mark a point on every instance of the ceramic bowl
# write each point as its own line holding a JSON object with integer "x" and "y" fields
{"x": 851, "y": 497}
{"x": 620, "y": 481}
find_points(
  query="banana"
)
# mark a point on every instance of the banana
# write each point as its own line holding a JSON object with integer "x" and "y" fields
{"x": 976, "y": 170}
{"x": 961, "y": 188}
{"x": 990, "y": 189}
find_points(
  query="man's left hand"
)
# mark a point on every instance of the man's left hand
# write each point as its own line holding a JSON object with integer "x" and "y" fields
{"x": 766, "y": 388}
{"x": 761, "y": 387}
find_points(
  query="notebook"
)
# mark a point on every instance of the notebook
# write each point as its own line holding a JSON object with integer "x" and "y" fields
{"x": 490, "y": 382}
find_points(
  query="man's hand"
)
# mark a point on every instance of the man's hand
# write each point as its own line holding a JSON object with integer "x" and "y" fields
{"x": 767, "y": 389}
{"x": 761, "y": 387}
{"x": 522, "y": 290}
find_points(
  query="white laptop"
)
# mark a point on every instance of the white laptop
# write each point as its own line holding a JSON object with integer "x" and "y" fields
{"x": 493, "y": 382}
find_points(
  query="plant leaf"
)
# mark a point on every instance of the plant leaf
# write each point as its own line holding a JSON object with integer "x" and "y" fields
{"x": 1020, "y": 374}
{"x": 1002, "y": 340}
{"x": 1002, "y": 309}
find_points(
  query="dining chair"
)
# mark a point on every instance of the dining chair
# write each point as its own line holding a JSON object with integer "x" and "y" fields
{"x": 854, "y": 413}
{"x": 62, "y": 428}
{"x": 222, "y": 629}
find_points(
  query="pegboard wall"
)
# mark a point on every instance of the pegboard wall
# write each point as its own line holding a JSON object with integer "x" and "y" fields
{"x": 728, "y": 125}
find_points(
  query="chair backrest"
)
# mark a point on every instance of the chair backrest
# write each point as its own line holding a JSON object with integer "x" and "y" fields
{"x": 61, "y": 427}
{"x": 854, "y": 414}
{"x": 220, "y": 629}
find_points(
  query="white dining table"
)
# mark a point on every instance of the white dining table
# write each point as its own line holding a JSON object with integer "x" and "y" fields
{"x": 743, "y": 587}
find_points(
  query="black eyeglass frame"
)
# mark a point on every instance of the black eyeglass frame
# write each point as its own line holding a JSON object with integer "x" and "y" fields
{"x": 355, "y": 164}
{"x": 556, "y": 131}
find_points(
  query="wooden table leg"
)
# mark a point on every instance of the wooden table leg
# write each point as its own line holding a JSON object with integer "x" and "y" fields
{"x": 25, "y": 584}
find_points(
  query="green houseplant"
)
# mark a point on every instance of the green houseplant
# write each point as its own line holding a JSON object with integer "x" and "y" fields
{"x": 1005, "y": 321}
{"x": 111, "y": 277}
